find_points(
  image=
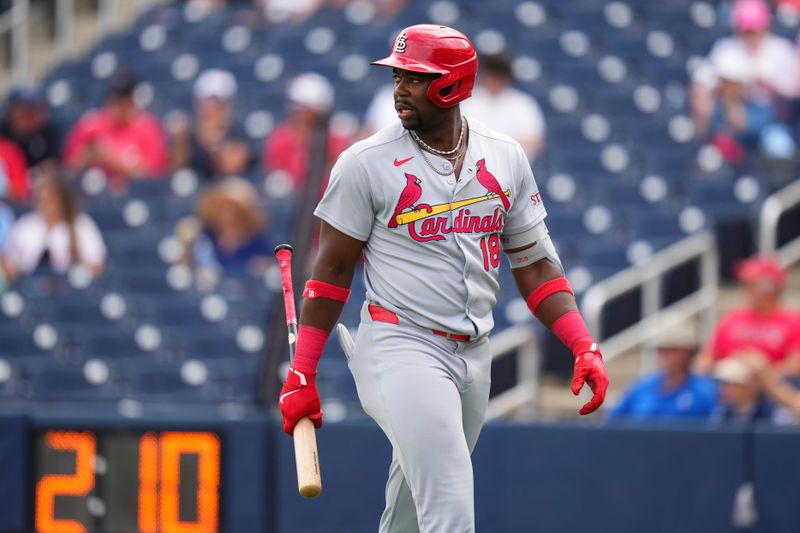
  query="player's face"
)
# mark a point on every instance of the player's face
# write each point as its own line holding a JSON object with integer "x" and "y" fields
{"x": 411, "y": 102}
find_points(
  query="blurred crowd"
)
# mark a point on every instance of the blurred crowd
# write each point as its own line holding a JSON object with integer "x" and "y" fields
{"x": 745, "y": 94}
{"x": 747, "y": 371}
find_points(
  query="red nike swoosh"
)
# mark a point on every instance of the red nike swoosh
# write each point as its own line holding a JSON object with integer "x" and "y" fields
{"x": 400, "y": 162}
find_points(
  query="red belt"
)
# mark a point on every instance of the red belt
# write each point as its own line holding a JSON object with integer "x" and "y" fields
{"x": 381, "y": 314}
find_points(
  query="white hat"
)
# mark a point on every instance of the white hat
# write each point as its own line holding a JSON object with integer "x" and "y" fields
{"x": 734, "y": 66}
{"x": 311, "y": 90}
{"x": 733, "y": 370}
{"x": 215, "y": 83}
{"x": 683, "y": 335}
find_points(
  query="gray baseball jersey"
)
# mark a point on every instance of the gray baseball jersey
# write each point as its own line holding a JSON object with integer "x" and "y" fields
{"x": 432, "y": 255}
{"x": 432, "y": 242}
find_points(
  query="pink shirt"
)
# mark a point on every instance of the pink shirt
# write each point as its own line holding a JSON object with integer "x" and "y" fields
{"x": 140, "y": 142}
{"x": 287, "y": 150}
{"x": 775, "y": 334}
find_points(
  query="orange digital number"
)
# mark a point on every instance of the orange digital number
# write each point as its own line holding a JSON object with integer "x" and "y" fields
{"x": 148, "y": 483}
{"x": 159, "y": 462}
{"x": 77, "y": 484}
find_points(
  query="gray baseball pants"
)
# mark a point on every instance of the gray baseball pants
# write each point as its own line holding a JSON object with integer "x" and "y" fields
{"x": 429, "y": 396}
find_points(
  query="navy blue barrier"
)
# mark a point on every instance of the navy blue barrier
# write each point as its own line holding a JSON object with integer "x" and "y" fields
{"x": 14, "y": 465}
{"x": 528, "y": 478}
{"x": 777, "y": 480}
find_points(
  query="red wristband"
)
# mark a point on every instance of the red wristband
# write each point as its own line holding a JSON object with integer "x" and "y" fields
{"x": 321, "y": 289}
{"x": 572, "y": 331}
{"x": 310, "y": 343}
{"x": 546, "y": 289}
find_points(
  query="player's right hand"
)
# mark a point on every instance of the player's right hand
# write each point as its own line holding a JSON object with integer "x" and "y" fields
{"x": 299, "y": 398}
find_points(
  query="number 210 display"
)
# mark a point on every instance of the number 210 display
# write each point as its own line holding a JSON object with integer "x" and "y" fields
{"x": 121, "y": 482}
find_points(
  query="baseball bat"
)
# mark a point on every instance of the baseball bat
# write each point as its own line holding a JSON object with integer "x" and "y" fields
{"x": 309, "y": 482}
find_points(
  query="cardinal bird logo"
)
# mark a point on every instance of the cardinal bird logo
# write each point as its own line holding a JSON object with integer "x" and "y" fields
{"x": 488, "y": 180}
{"x": 408, "y": 198}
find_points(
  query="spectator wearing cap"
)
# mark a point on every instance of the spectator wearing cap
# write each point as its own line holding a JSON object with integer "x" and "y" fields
{"x": 211, "y": 145}
{"x": 310, "y": 99}
{"x": 502, "y": 107}
{"x": 673, "y": 392}
{"x": 741, "y": 399}
{"x": 231, "y": 239}
{"x": 120, "y": 139}
{"x": 14, "y": 183}
{"x": 744, "y": 120}
{"x": 772, "y": 58}
{"x": 56, "y": 234}
{"x": 762, "y": 324}
{"x": 27, "y": 123}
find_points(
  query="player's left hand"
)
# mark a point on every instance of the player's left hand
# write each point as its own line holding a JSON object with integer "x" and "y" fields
{"x": 589, "y": 368}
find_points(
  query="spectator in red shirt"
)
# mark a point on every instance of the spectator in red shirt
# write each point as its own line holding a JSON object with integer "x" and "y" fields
{"x": 287, "y": 149}
{"x": 13, "y": 172}
{"x": 762, "y": 324}
{"x": 121, "y": 139}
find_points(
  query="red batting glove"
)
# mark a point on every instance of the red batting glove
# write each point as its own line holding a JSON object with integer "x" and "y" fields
{"x": 589, "y": 368}
{"x": 299, "y": 398}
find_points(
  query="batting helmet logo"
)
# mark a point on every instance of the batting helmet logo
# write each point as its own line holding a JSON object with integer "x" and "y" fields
{"x": 400, "y": 44}
{"x": 432, "y": 49}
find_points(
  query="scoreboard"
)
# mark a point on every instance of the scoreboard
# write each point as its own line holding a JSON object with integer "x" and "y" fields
{"x": 126, "y": 481}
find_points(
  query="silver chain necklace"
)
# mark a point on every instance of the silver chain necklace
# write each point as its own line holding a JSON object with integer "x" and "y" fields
{"x": 432, "y": 166}
{"x": 443, "y": 153}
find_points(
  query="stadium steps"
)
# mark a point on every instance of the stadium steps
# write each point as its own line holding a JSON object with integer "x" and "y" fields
{"x": 556, "y": 402}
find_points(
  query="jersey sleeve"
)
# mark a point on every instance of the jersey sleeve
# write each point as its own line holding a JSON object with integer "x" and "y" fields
{"x": 347, "y": 203}
{"x": 527, "y": 208}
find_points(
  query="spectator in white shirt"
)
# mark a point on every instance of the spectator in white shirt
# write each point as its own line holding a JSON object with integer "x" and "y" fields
{"x": 772, "y": 58}
{"x": 56, "y": 233}
{"x": 380, "y": 112}
{"x": 499, "y": 105}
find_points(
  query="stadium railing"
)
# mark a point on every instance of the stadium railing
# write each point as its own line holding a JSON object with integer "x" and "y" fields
{"x": 772, "y": 211}
{"x": 648, "y": 278}
{"x": 520, "y": 342}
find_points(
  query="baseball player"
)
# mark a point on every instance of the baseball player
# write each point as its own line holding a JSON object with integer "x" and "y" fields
{"x": 431, "y": 202}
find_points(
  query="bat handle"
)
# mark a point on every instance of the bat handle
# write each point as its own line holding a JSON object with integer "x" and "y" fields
{"x": 284, "y": 254}
{"x": 309, "y": 481}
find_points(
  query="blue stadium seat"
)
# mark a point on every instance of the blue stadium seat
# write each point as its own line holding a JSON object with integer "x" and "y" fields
{"x": 69, "y": 383}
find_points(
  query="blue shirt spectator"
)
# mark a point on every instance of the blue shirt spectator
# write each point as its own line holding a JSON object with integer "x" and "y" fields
{"x": 673, "y": 392}
{"x": 652, "y": 397}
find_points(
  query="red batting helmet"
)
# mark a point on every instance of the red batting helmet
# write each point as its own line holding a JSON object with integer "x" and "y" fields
{"x": 433, "y": 49}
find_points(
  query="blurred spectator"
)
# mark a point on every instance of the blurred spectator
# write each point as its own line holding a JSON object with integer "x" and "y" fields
{"x": 496, "y": 103}
{"x": 56, "y": 234}
{"x": 13, "y": 172}
{"x": 121, "y": 139}
{"x": 780, "y": 390}
{"x": 27, "y": 123}
{"x": 231, "y": 239}
{"x": 383, "y": 8}
{"x": 740, "y": 396}
{"x": 772, "y": 58}
{"x": 288, "y": 149}
{"x": 762, "y": 324}
{"x": 6, "y": 220}
{"x": 744, "y": 118}
{"x": 211, "y": 145}
{"x": 292, "y": 11}
{"x": 380, "y": 112}
{"x": 673, "y": 392}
